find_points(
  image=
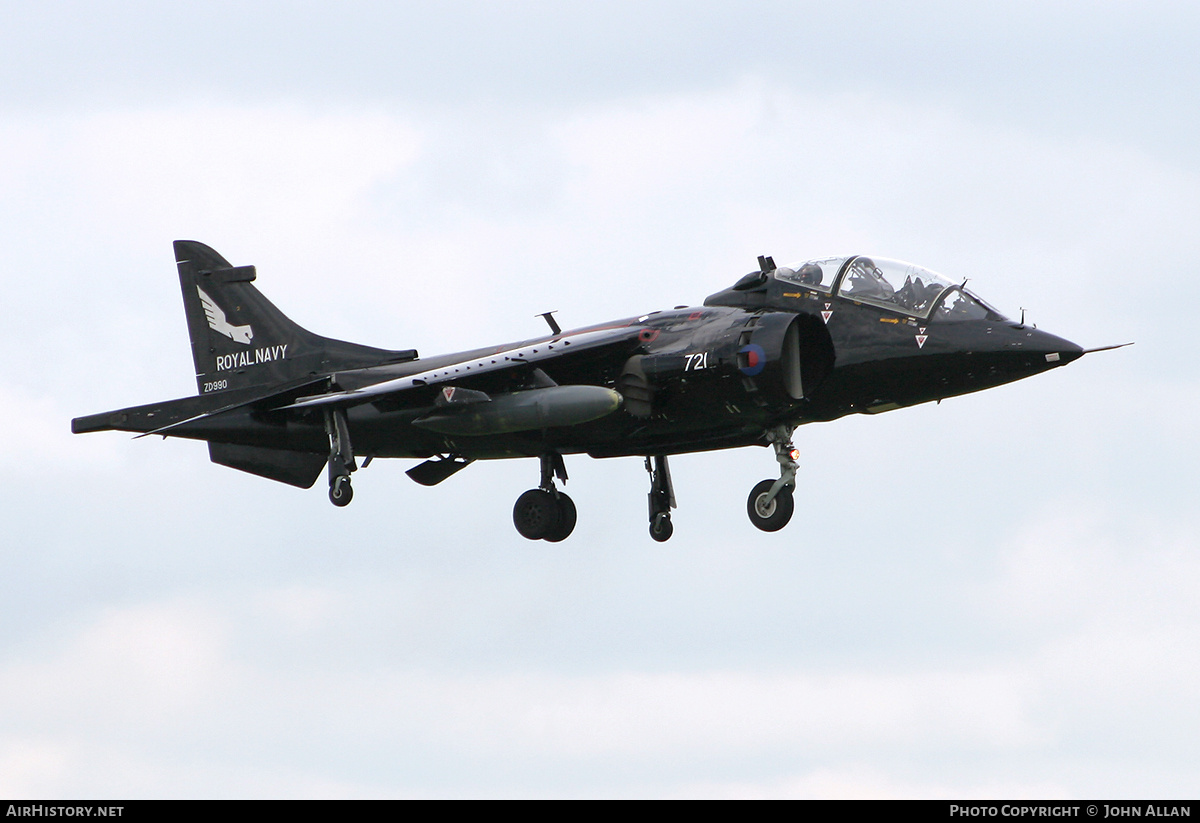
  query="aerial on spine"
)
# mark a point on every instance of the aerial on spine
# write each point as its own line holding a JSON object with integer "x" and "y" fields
{"x": 783, "y": 346}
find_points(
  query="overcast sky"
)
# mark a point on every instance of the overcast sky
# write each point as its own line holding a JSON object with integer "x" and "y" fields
{"x": 994, "y": 596}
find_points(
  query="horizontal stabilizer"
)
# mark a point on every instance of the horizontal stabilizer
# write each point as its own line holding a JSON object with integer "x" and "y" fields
{"x": 432, "y": 472}
{"x": 159, "y": 418}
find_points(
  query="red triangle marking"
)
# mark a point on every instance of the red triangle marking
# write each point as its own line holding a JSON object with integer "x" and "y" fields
{"x": 826, "y": 315}
{"x": 921, "y": 338}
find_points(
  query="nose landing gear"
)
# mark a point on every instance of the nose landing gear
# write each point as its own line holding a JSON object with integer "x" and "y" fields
{"x": 545, "y": 513}
{"x": 770, "y": 504}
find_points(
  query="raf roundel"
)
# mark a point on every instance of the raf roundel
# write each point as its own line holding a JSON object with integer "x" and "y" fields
{"x": 752, "y": 359}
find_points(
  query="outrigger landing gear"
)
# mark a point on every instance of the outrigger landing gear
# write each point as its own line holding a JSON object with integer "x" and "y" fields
{"x": 770, "y": 505}
{"x": 545, "y": 513}
{"x": 662, "y": 498}
{"x": 341, "y": 457}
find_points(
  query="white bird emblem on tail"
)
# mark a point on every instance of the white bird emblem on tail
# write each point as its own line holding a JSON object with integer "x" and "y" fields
{"x": 218, "y": 323}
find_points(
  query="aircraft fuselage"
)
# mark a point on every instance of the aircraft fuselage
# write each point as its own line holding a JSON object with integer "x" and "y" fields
{"x": 783, "y": 347}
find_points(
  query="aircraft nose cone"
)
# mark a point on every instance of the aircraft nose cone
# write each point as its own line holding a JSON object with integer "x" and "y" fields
{"x": 1056, "y": 350}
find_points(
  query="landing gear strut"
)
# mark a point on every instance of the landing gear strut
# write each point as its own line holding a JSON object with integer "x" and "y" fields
{"x": 770, "y": 505}
{"x": 341, "y": 457}
{"x": 661, "y": 498}
{"x": 545, "y": 513}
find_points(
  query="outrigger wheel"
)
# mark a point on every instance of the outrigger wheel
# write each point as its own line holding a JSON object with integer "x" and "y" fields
{"x": 340, "y": 492}
{"x": 341, "y": 457}
{"x": 661, "y": 498}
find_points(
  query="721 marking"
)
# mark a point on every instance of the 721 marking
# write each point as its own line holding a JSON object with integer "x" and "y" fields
{"x": 695, "y": 362}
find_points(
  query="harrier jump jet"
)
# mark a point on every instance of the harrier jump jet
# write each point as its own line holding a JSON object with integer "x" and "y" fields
{"x": 784, "y": 346}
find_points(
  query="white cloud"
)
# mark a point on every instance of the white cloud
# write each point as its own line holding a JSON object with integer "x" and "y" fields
{"x": 160, "y": 677}
{"x": 150, "y": 666}
{"x": 32, "y": 767}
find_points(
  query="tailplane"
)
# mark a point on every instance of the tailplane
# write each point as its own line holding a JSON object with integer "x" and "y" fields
{"x": 240, "y": 340}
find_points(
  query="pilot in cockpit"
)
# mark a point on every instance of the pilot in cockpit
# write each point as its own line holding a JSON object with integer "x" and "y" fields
{"x": 915, "y": 295}
{"x": 810, "y": 274}
{"x": 865, "y": 279}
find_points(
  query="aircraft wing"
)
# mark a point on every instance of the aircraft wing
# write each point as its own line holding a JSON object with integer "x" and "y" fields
{"x": 179, "y": 413}
{"x": 500, "y": 360}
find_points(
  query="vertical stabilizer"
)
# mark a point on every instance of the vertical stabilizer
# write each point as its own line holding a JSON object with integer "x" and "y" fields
{"x": 240, "y": 339}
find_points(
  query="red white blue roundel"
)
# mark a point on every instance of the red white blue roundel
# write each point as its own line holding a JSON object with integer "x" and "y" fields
{"x": 754, "y": 357}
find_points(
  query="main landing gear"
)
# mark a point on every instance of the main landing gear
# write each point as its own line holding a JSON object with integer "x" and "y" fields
{"x": 545, "y": 513}
{"x": 770, "y": 505}
{"x": 341, "y": 457}
{"x": 661, "y": 498}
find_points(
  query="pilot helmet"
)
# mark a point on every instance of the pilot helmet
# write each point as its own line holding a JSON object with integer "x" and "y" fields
{"x": 810, "y": 274}
{"x": 867, "y": 266}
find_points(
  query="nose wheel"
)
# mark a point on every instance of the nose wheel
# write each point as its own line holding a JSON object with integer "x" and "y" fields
{"x": 546, "y": 513}
{"x": 770, "y": 513}
{"x": 770, "y": 505}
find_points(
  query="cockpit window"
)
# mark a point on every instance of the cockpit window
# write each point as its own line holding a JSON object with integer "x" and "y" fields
{"x": 816, "y": 274}
{"x": 959, "y": 305}
{"x": 892, "y": 284}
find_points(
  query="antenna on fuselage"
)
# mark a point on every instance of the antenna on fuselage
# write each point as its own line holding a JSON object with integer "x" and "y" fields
{"x": 549, "y": 318}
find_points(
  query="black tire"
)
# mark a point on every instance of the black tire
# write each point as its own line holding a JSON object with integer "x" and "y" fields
{"x": 536, "y": 514}
{"x": 566, "y": 520}
{"x": 661, "y": 528}
{"x": 772, "y": 516}
{"x": 341, "y": 493}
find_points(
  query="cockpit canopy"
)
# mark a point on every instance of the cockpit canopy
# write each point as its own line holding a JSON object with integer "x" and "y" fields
{"x": 890, "y": 284}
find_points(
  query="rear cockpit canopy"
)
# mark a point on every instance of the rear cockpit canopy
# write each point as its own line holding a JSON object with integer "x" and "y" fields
{"x": 889, "y": 284}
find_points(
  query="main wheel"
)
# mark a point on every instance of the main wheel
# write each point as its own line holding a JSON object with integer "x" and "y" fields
{"x": 340, "y": 493}
{"x": 566, "y": 520}
{"x": 770, "y": 515}
{"x": 536, "y": 514}
{"x": 661, "y": 528}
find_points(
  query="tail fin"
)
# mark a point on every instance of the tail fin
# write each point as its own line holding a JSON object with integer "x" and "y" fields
{"x": 239, "y": 338}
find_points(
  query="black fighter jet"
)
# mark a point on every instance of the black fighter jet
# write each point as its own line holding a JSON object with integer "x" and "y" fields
{"x": 785, "y": 345}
